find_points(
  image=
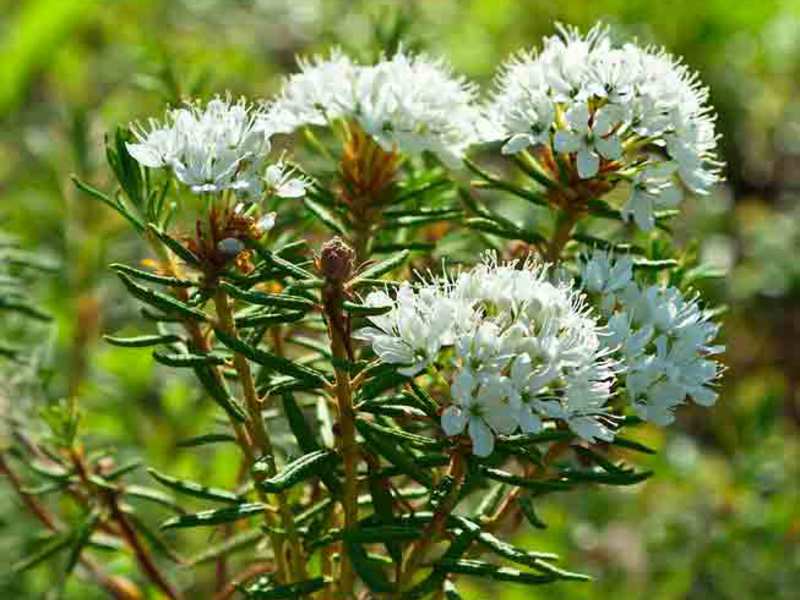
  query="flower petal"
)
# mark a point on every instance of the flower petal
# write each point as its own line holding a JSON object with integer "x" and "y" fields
{"x": 588, "y": 163}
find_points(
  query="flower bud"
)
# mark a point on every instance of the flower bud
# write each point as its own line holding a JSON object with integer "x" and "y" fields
{"x": 230, "y": 247}
{"x": 335, "y": 261}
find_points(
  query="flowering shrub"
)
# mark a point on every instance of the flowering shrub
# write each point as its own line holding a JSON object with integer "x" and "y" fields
{"x": 398, "y": 417}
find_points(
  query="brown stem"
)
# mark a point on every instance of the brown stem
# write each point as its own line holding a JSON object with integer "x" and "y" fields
{"x": 260, "y": 434}
{"x": 119, "y": 587}
{"x": 233, "y": 585}
{"x": 198, "y": 340}
{"x": 561, "y": 235}
{"x": 338, "y": 331}
{"x": 416, "y": 553}
{"x": 142, "y": 555}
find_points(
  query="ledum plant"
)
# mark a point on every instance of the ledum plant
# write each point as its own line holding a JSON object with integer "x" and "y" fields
{"x": 399, "y": 417}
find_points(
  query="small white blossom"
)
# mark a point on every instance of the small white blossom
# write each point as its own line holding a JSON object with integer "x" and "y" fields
{"x": 652, "y": 188}
{"x": 622, "y": 112}
{"x": 280, "y": 180}
{"x": 210, "y": 148}
{"x": 519, "y": 349}
{"x": 409, "y": 102}
{"x": 589, "y": 137}
{"x": 664, "y": 343}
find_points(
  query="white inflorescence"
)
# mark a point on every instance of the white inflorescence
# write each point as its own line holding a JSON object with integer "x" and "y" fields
{"x": 211, "y": 148}
{"x": 517, "y": 349}
{"x": 637, "y": 111}
{"x": 409, "y": 102}
{"x": 662, "y": 339}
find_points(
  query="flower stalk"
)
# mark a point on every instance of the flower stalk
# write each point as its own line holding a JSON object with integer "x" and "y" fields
{"x": 261, "y": 437}
{"x": 336, "y": 264}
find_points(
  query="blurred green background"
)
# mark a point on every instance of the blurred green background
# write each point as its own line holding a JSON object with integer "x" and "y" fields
{"x": 721, "y": 518}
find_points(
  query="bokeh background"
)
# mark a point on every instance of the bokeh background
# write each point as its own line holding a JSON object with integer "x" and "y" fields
{"x": 721, "y": 519}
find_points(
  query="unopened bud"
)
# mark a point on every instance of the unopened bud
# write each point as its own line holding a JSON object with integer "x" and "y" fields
{"x": 336, "y": 260}
{"x": 230, "y": 247}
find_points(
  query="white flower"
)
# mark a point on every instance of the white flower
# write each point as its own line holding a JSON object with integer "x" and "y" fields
{"x": 664, "y": 343}
{"x": 280, "y": 180}
{"x": 652, "y": 188}
{"x": 636, "y": 106}
{"x": 212, "y": 148}
{"x": 418, "y": 325}
{"x": 323, "y": 90}
{"x": 518, "y": 349}
{"x": 590, "y": 137}
{"x": 409, "y": 102}
{"x": 482, "y": 406}
{"x": 606, "y": 275}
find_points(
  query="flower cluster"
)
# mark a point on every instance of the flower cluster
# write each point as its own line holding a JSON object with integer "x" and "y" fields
{"x": 619, "y": 112}
{"x": 517, "y": 348}
{"x": 409, "y": 102}
{"x": 212, "y": 148}
{"x": 663, "y": 339}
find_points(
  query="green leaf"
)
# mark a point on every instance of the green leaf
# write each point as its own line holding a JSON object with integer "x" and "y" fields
{"x": 153, "y": 495}
{"x": 624, "y": 478}
{"x": 79, "y": 539}
{"x": 268, "y": 318}
{"x": 123, "y": 470}
{"x": 23, "y": 307}
{"x": 325, "y": 216}
{"x": 422, "y": 219}
{"x": 383, "y": 506}
{"x": 219, "y": 393}
{"x": 377, "y": 270}
{"x": 188, "y": 360}
{"x": 293, "y": 591}
{"x": 272, "y": 361}
{"x": 161, "y": 301}
{"x": 208, "y": 438}
{"x": 654, "y": 265}
{"x": 156, "y": 542}
{"x": 265, "y": 299}
{"x": 524, "y": 482}
{"x": 369, "y": 571}
{"x": 142, "y": 341}
{"x": 506, "y": 231}
{"x": 215, "y": 517}
{"x": 632, "y": 445}
{"x": 401, "y": 436}
{"x": 363, "y": 310}
{"x": 528, "y": 510}
{"x": 394, "y": 454}
{"x": 53, "y": 546}
{"x": 487, "y": 570}
{"x": 177, "y": 248}
{"x": 383, "y": 533}
{"x": 300, "y": 469}
{"x": 490, "y": 181}
{"x": 306, "y": 439}
{"x": 108, "y": 201}
{"x": 151, "y": 277}
{"x": 191, "y": 488}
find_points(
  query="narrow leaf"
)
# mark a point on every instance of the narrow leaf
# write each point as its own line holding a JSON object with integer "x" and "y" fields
{"x": 191, "y": 488}
{"x": 215, "y": 517}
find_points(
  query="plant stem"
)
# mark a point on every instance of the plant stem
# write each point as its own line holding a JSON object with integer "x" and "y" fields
{"x": 260, "y": 434}
{"x": 243, "y": 437}
{"x": 566, "y": 223}
{"x": 119, "y": 588}
{"x": 416, "y": 553}
{"x": 340, "y": 344}
{"x": 198, "y": 340}
{"x": 142, "y": 555}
